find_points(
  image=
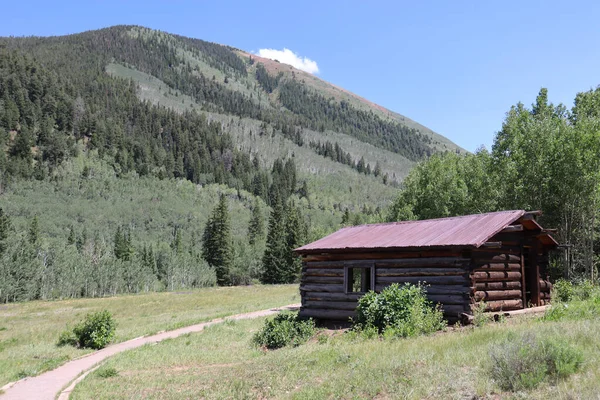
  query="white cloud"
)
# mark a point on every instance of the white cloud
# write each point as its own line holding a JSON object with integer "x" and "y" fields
{"x": 287, "y": 56}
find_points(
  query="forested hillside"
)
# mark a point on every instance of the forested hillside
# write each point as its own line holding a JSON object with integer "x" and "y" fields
{"x": 136, "y": 160}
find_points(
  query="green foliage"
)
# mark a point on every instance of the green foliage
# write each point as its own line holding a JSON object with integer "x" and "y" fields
{"x": 287, "y": 231}
{"x": 563, "y": 290}
{"x": 67, "y": 338}
{"x": 480, "y": 317}
{"x": 5, "y": 227}
{"x": 217, "y": 243}
{"x": 286, "y": 329}
{"x": 96, "y": 331}
{"x": 106, "y": 372}
{"x": 526, "y": 361}
{"x": 256, "y": 227}
{"x": 584, "y": 303}
{"x": 533, "y": 155}
{"x": 402, "y": 310}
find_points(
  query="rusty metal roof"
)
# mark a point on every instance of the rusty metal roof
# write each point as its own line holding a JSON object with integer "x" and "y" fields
{"x": 466, "y": 231}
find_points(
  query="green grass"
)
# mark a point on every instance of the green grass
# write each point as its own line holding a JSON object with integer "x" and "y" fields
{"x": 222, "y": 363}
{"x": 28, "y": 344}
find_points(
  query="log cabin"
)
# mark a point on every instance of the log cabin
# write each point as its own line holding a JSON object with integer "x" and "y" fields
{"x": 495, "y": 260}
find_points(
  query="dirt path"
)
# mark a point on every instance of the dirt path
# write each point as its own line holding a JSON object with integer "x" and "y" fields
{"x": 49, "y": 385}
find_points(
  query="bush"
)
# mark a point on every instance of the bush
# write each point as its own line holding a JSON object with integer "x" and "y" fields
{"x": 584, "y": 290}
{"x": 67, "y": 338}
{"x": 400, "y": 310}
{"x": 107, "y": 372}
{"x": 96, "y": 330}
{"x": 283, "y": 330}
{"x": 524, "y": 362}
{"x": 562, "y": 291}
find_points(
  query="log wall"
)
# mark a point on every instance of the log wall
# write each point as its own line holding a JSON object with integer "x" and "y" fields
{"x": 446, "y": 275}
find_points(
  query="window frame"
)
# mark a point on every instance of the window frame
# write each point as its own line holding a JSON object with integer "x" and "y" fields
{"x": 348, "y": 267}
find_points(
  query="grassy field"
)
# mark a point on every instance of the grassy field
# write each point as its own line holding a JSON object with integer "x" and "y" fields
{"x": 222, "y": 363}
{"x": 29, "y": 331}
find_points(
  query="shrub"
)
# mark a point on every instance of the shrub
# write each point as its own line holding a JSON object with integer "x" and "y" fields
{"x": 283, "y": 330}
{"x": 480, "y": 318}
{"x": 107, "y": 372}
{"x": 524, "y": 362}
{"x": 562, "y": 290}
{"x": 67, "y": 338}
{"x": 401, "y": 310}
{"x": 584, "y": 290}
{"x": 96, "y": 330}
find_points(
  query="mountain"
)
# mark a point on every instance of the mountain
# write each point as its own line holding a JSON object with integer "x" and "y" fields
{"x": 101, "y": 130}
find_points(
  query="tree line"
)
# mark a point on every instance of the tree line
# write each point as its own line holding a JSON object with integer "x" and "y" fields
{"x": 544, "y": 158}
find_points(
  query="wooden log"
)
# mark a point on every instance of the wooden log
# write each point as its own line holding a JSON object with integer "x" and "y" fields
{"x": 327, "y": 296}
{"x": 497, "y": 267}
{"x": 424, "y": 262}
{"x": 330, "y": 305}
{"x": 334, "y": 315}
{"x": 545, "y": 295}
{"x": 482, "y": 252}
{"x": 454, "y": 310}
{"x": 467, "y": 318}
{"x": 323, "y": 271}
{"x": 498, "y": 295}
{"x": 487, "y": 258}
{"x": 449, "y": 299}
{"x": 492, "y": 245}
{"x": 324, "y": 264}
{"x": 432, "y": 280}
{"x": 512, "y": 228}
{"x": 335, "y": 288}
{"x": 496, "y": 276}
{"x": 545, "y": 286}
{"x": 415, "y": 253}
{"x": 448, "y": 289}
{"x": 497, "y": 285}
{"x": 503, "y": 305}
{"x": 323, "y": 279}
{"x": 419, "y": 271}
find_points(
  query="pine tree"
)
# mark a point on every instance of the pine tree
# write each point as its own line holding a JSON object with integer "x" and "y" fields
{"x": 122, "y": 247}
{"x": 71, "y": 238}
{"x": 256, "y": 228}
{"x": 34, "y": 231}
{"x": 346, "y": 217}
{"x": 5, "y": 226}
{"x": 377, "y": 170}
{"x": 274, "y": 259}
{"x": 295, "y": 232}
{"x": 177, "y": 243}
{"x": 217, "y": 244}
{"x": 81, "y": 240}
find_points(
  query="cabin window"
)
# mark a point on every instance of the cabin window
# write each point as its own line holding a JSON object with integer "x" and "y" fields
{"x": 359, "y": 279}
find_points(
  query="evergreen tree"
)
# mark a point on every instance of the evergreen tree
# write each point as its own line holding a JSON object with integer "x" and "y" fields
{"x": 34, "y": 231}
{"x": 346, "y": 217}
{"x": 274, "y": 259}
{"x": 71, "y": 238}
{"x": 177, "y": 243}
{"x": 5, "y": 226}
{"x": 295, "y": 232}
{"x": 123, "y": 249}
{"x": 82, "y": 239}
{"x": 256, "y": 228}
{"x": 217, "y": 243}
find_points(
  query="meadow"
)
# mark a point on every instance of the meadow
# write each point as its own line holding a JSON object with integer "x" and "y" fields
{"x": 29, "y": 331}
{"x": 222, "y": 362}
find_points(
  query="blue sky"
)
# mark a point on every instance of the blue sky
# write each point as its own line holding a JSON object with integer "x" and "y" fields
{"x": 456, "y": 67}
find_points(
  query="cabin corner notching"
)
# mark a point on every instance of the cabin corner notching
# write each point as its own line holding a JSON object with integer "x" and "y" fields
{"x": 498, "y": 259}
